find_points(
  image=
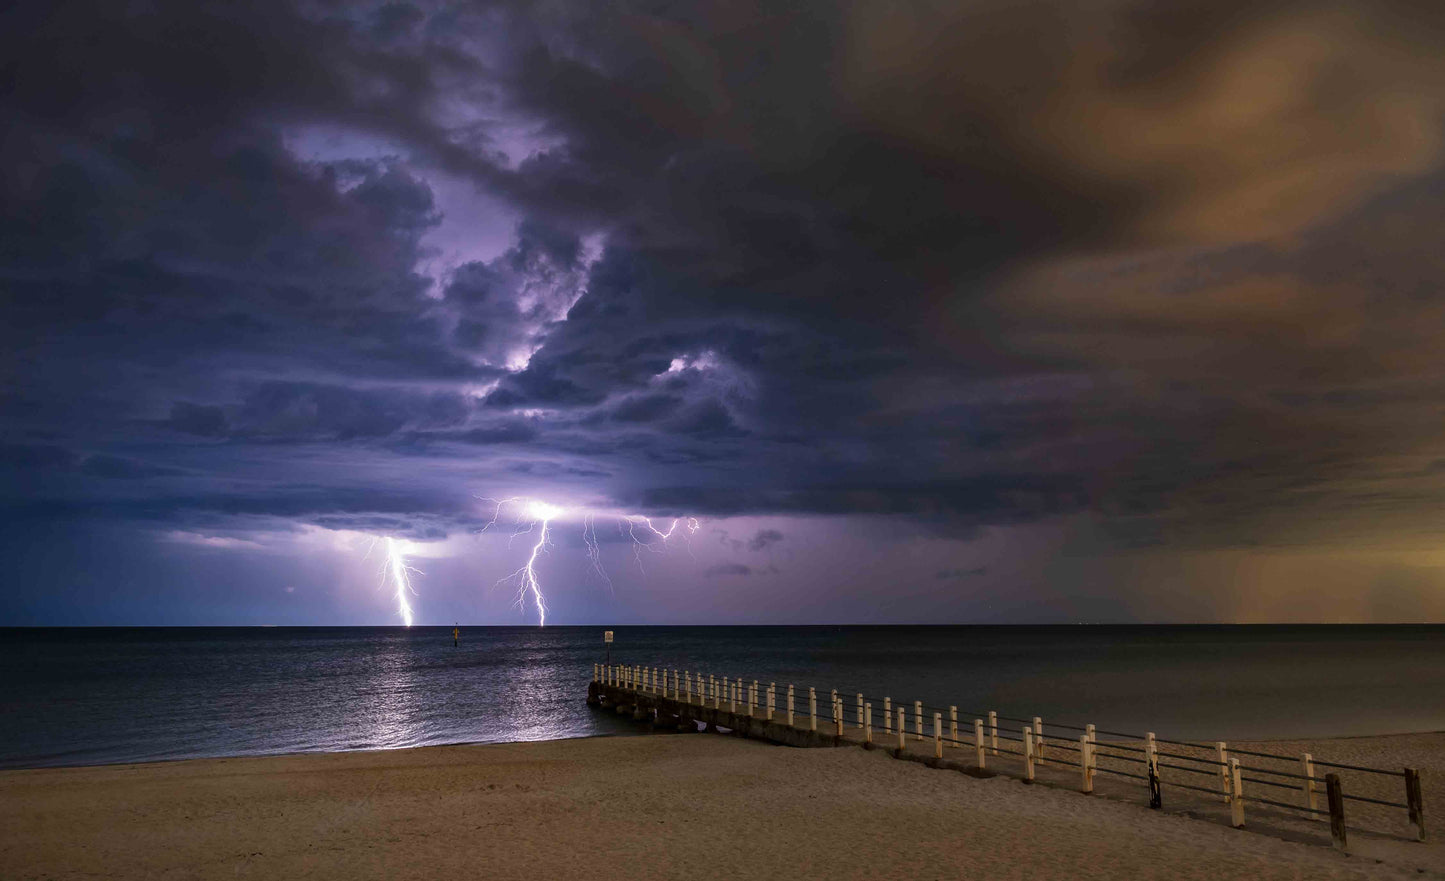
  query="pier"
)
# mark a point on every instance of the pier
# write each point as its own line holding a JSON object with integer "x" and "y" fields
{"x": 1211, "y": 780}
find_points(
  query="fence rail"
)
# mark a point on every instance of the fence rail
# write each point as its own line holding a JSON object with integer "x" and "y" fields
{"x": 755, "y": 699}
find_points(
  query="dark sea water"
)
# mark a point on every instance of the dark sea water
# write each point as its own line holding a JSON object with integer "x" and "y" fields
{"x": 83, "y": 696}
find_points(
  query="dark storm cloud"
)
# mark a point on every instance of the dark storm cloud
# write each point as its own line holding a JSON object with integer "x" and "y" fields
{"x": 976, "y": 265}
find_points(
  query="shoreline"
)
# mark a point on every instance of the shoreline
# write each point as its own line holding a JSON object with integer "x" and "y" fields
{"x": 641, "y": 732}
{"x": 661, "y": 805}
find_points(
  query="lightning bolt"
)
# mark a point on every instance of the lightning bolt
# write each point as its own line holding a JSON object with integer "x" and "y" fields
{"x": 594, "y": 550}
{"x": 532, "y": 514}
{"x": 690, "y": 524}
{"x": 399, "y": 572}
{"x": 526, "y": 577}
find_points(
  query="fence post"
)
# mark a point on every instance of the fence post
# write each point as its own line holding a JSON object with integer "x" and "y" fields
{"x": 993, "y": 731}
{"x": 1086, "y": 776}
{"x": 953, "y": 725}
{"x": 938, "y": 735}
{"x": 812, "y": 708}
{"x": 1028, "y": 754}
{"x": 1223, "y": 769}
{"x": 867, "y": 721}
{"x": 790, "y": 705}
{"x": 1415, "y": 802}
{"x": 888, "y": 715}
{"x": 1337, "y": 811}
{"x": 1236, "y": 795}
{"x": 1156, "y": 793}
{"x": 753, "y": 700}
{"x": 833, "y": 703}
{"x": 978, "y": 741}
{"x": 1039, "y": 737}
{"x": 772, "y": 699}
{"x": 918, "y": 720}
{"x": 902, "y": 731}
{"x": 1307, "y": 768}
{"x": 860, "y": 709}
{"x": 838, "y": 715}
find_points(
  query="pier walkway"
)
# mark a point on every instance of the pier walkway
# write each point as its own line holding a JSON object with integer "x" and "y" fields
{"x": 1298, "y": 797}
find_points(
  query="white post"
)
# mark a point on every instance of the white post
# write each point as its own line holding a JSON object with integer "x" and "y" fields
{"x": 753, "y": 699}
{"x": 833, "y": 704}
{"x": 687, "y": 686}
{"x": 1152, "y": 753}
{"x": 978, "y": 741}
{"x": 888, "y": 715}
{"x": 772, "y": 699}
{"x": 902, "y": 730}
{"x": 867, "y": 721}
{"x": 812, "y": 708}
{"x": 860, "y": 709}
{"x": 730, "y": 688}
{"x": 1039, "y": 737}
{"x": 838, "y": 716}
{"x": 712, "y": 688}
{"x": 993, "y": 731}
{"x": 1224, "y": 770}
{"x": 1307, "y": 768}
{"x": 938, "y": 735}
{"x": 918, "y": 720}
{"x": 1236, "y": 790}
{"x": 1028, "y": 753}
{"x": 790, "y": 705}
{"x": 1086, "y": 773}
{"x": 953, "y": 726}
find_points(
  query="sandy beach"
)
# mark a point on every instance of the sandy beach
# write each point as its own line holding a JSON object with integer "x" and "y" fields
{"x": 655, "y": 806}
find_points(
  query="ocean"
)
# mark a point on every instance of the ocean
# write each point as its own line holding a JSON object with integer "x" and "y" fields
{"x": 71, "y": 696}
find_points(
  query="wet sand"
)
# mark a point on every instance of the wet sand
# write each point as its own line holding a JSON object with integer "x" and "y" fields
{"x": 698, "y": 806}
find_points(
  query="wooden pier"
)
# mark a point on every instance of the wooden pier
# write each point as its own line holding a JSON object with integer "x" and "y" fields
{"x": 989, "y": 744}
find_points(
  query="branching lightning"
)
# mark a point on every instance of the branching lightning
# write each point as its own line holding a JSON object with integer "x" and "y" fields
{"x": 396, "y": 570}
{"x": 594, "y": 550}
{"x": 532, "y": 514}
{"x": 526, "y": 577}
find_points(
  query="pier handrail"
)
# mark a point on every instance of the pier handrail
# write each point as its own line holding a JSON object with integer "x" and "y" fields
{"x": 845, "y": 709}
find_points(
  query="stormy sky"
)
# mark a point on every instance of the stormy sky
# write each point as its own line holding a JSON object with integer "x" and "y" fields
{"x": 986, "y": 311}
